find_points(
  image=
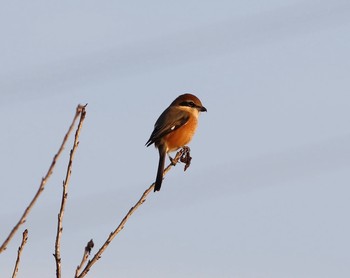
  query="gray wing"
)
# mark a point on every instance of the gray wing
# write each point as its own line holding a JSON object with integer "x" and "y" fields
{"x": 170, "y": 120}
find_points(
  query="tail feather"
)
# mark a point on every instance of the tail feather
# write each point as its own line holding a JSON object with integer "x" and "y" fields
{"x": 159, "y": 178}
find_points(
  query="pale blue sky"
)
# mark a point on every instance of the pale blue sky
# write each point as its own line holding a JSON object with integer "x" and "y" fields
{"x": 267, "y": 194}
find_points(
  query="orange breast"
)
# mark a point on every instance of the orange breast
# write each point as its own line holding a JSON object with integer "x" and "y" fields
{"x": 181, "y": 136}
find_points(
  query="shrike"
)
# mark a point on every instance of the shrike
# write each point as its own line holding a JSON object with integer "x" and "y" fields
{"x": 174, "y": 129}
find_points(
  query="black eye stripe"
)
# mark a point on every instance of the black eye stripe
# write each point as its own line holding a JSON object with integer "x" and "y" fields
{"x": 188, "y": 103}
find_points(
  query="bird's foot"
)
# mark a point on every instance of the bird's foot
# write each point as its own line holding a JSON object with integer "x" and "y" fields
{"x": 173, "y": 161}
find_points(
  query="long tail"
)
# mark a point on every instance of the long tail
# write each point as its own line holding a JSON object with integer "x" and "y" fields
{"x": 159, "y": 179}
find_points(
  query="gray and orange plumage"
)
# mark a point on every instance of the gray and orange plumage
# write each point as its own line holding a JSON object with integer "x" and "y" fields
{"x": 174, "y": 129}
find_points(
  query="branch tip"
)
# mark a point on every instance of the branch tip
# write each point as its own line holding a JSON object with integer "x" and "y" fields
{"x": 43, "y": 180}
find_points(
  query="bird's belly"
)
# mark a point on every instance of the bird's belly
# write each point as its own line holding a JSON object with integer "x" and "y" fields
{"x": 181, "y": 136}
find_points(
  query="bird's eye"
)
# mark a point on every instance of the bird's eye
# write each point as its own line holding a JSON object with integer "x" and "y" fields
{"x": 191, "y": 104}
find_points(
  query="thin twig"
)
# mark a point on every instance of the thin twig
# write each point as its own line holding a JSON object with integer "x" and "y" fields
{"x": 43, "y": 182}
{"x": 112, "y": 235}
{"x": 57, "y": 254}
{"x": 19, "y": 252}
{"x": 86, "y": 255}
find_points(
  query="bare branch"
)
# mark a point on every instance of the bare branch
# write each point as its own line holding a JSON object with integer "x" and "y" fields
{"x": 57, "y": 254}
{"x": 19, "y": 252}
{"x": 86, "y": 255}
{"x": 43, "y": 181}
{"x": 112, "y": 235}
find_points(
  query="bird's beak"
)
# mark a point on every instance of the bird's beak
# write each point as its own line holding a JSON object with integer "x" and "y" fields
{"x": 203, "y": 109}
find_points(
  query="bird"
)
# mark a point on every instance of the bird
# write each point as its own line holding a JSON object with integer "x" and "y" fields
{"x": 174, "y": 129}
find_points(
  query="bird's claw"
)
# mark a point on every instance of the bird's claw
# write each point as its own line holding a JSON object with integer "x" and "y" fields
{"x": 173, "y": 161}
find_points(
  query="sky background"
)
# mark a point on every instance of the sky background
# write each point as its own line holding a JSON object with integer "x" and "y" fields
{"x": 267, "y": 193}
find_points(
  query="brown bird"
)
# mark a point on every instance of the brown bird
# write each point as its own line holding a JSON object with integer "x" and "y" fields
{"x": 174, "y": 129}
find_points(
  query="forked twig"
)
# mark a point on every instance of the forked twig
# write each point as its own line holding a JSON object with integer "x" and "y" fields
{"x": 86, "y": 255}
{"x": 19, "y": 252}
{"x": 43, "y": 182}
{"x": 112, "y": 235}
{"x": 57, "y": 254}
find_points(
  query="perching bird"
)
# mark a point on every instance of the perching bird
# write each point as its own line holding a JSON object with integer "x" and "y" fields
{"x": 174, "y": 129}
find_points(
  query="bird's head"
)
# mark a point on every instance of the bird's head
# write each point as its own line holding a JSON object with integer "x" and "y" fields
{"x": 189, "y": 102}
